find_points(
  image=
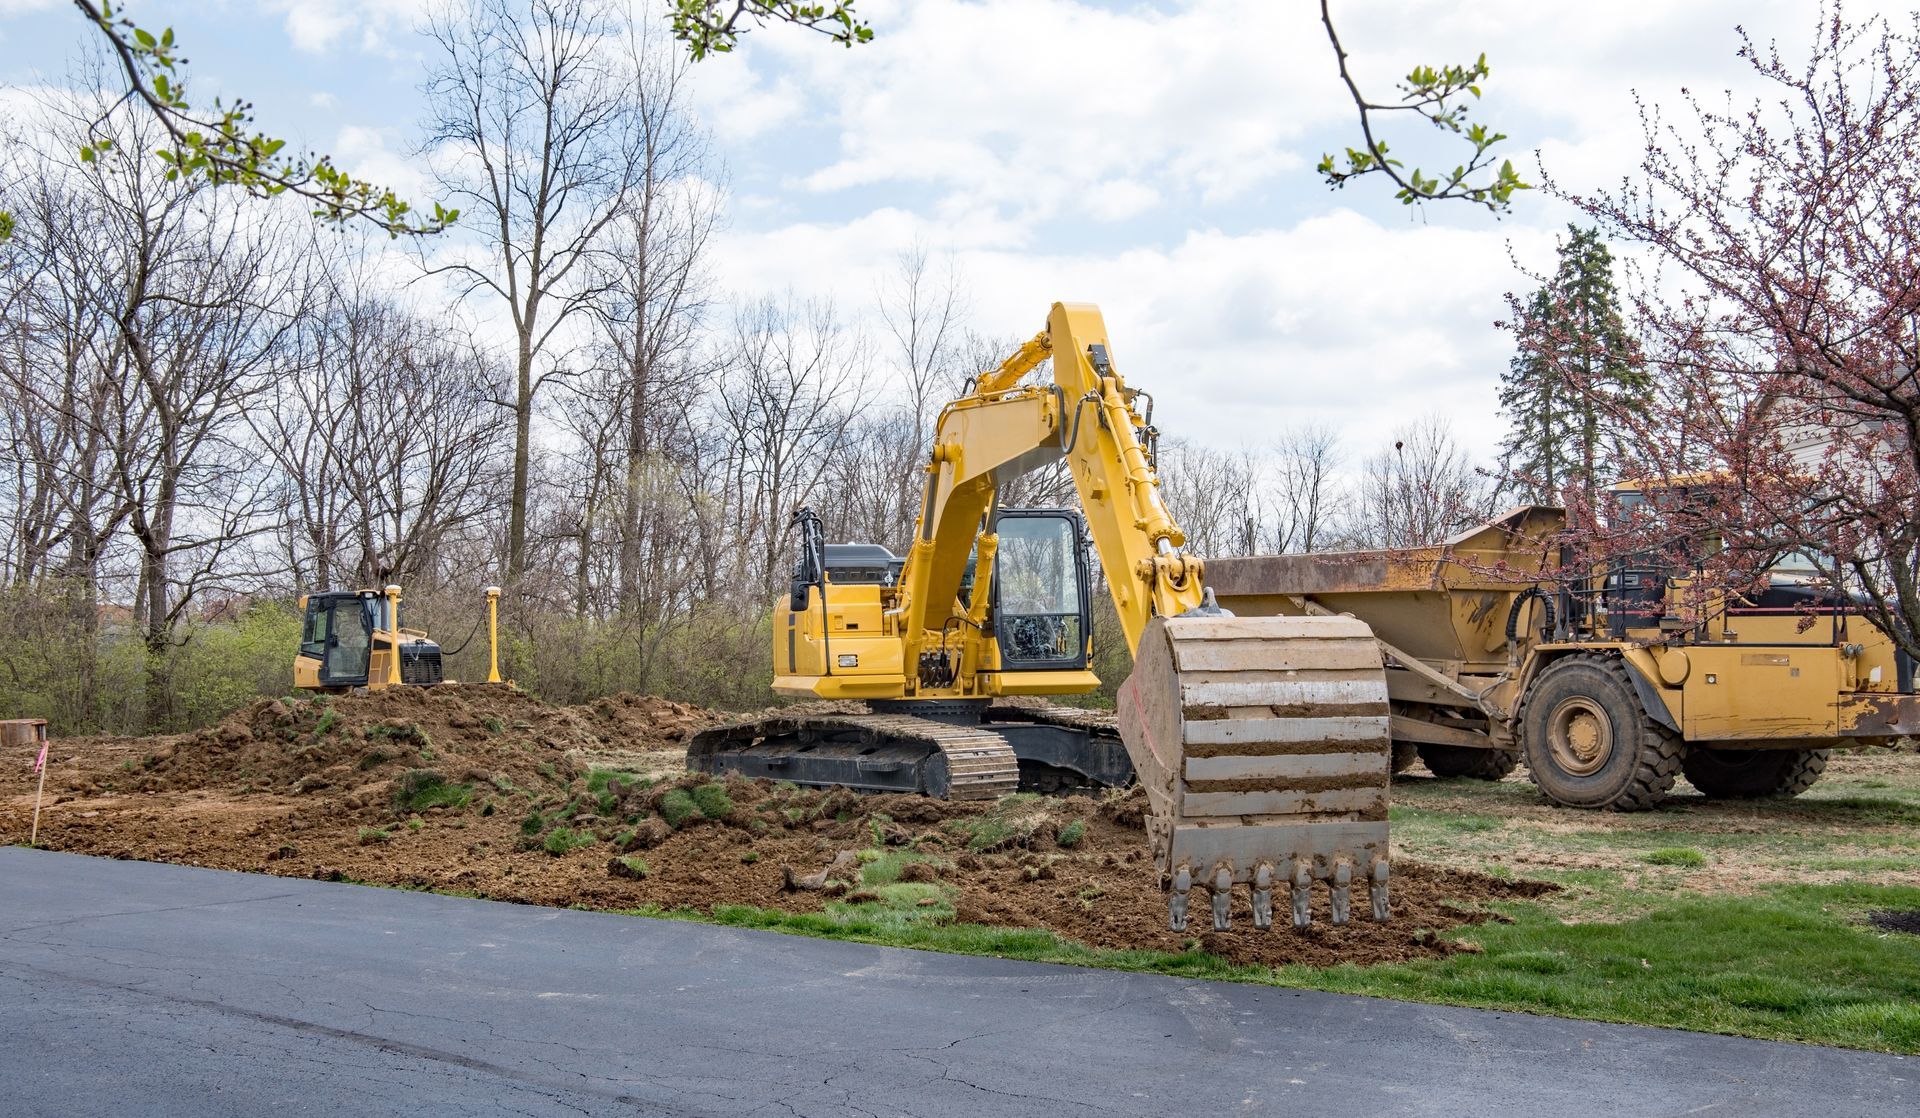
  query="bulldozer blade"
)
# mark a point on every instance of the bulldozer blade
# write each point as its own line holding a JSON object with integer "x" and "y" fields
{"x": 1262, "y": 741}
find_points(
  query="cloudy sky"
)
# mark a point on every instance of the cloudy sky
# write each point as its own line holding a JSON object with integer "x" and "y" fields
{"x": 1155, "y": 158}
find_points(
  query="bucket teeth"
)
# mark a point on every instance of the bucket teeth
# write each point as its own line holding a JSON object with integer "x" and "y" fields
{"x": 1302, "y": 895}
{"x": 1342, "y": 892}
{"x": 1177, "y": 900}
{"x": 1263, "y": 897}
{"x": 1223, "y": 898}
{"x": 1378, "y": 890}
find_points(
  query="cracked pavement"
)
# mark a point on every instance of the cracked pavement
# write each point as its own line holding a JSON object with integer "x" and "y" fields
{"x": 130, "y": 988}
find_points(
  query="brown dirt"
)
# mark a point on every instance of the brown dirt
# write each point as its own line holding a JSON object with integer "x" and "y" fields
{"x": 308, "y": 789}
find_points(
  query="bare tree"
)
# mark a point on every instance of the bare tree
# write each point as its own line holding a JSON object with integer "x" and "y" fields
{"x": 794, "y": 377}
{"x": 654, "y": 294}
{"x": 532, "y": 132}
{"x": 383, "y": 428}
{"x": 1305, "y": 501}
{"x": 1213, "y": 495}
{"x": 1421, "y": 491}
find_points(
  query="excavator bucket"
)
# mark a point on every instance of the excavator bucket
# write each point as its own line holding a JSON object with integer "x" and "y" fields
{"x": 1262, "y": 745}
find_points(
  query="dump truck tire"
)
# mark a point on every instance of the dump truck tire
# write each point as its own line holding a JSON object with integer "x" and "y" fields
{"x": 1459, "y": 760}
{"x": 1589, "y": 743}
{"x": 1747, "y": 774}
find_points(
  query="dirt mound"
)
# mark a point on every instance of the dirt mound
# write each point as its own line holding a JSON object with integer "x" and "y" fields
{"x": 470, "y": 735}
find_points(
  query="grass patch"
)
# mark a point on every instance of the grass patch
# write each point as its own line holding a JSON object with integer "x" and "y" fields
{"x": 599, "y": 779}
{"x": 676, "y": 806}
{"x": 565, "y": 840}
{"x": 371, "y": 835}
{"x": 713, "y": 801}
{"x": 882, "y": 867}
{"x": 493, "y": 725}
{"x": 1685, "y": 857}
{"x": 421, "y": 789}
{"x": 328, "y": 720}
{"x": 1070, "y": 835}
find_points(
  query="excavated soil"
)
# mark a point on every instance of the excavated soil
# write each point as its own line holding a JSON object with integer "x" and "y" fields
{"x": 489, "y": 791}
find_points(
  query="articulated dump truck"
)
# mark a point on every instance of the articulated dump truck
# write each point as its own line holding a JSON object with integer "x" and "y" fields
{"x": 1610, "y": 684}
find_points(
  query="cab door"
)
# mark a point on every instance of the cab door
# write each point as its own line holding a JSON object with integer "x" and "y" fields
{"x": 338, "y": 632}
{"x": 1041, "y": 611}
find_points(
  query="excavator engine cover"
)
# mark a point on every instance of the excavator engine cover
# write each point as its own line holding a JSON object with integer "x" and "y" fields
{"x": 1262, "y": 745}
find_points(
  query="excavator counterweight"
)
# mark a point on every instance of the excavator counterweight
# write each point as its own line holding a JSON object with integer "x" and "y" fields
{"x": 1261, "y": 743}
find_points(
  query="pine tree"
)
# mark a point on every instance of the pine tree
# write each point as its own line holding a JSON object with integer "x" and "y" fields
{"x": 1573, "y": 356}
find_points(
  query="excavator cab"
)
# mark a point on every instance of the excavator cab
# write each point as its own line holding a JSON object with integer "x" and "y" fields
{"x": 1042, "y": 614}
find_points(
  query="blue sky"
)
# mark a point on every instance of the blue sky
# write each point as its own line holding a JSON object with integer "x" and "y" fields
{"x": 1155, "y": 158}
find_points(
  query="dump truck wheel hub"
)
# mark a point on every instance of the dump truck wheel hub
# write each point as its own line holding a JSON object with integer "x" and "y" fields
{"x": 1581, "y": 736}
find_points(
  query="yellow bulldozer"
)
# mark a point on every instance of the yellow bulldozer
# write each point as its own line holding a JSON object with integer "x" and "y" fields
{"x": 1609, "y": 678}
{"x": 1261, "y": 742}
{"x": 352, "y": 640}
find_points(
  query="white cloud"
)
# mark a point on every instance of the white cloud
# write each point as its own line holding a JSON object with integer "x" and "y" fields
{"x": 317, "y": 26}
{"x": 368, "y": 153}
{"x": 1337, "y": 320}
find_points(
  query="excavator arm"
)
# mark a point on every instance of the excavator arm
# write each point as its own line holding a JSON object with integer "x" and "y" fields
{"x": 1261, "y": 742}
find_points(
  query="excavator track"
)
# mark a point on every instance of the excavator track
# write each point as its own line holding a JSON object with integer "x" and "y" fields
{"x": 865, "y": 752}
{"x": 1262, "y": 745}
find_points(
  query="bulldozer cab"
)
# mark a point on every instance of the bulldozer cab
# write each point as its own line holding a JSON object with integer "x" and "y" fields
{"x": 338, "y": 632}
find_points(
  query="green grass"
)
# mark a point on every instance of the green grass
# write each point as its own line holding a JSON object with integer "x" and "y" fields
{"x": 676, "y": 807}
{"x": 882, "y": 867}
{"x": 327, "y": 722}
{"x": 598, "y": 779}
{"x": 1794, "y": 963}
{"x": 1070, "y": 835}
{"x": 713, "y": 801}
{"x": 1685, "y": 857}
{"x": 565, "y": 840}
{"x": 421, "y": 789}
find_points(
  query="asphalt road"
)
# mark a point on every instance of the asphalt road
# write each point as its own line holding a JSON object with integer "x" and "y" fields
{"x": 130, "y": 988}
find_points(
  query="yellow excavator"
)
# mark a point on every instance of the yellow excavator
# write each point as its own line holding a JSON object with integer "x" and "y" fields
{"x": 1261, "y": 742}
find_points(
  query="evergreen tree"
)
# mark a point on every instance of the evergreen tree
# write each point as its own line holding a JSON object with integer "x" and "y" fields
{"x": 1573, "y": 358}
